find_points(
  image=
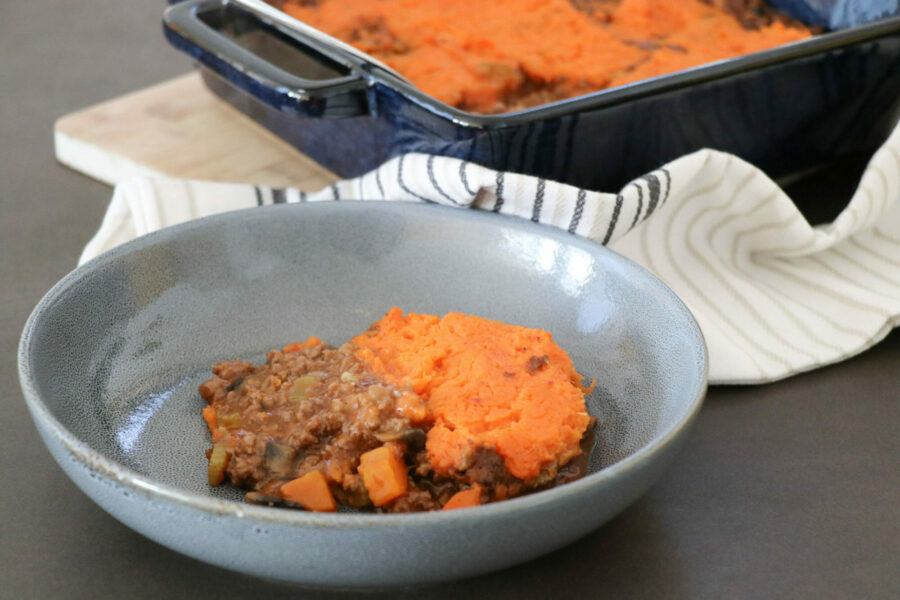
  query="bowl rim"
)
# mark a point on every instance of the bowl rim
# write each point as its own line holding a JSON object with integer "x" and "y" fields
{"x": 96, "y": 461}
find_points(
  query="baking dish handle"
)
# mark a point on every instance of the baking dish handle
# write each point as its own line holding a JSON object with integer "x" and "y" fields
{"x": 285, "y": 69}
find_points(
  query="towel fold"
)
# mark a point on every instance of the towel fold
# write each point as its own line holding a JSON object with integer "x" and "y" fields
{"x": 773, "y": 295}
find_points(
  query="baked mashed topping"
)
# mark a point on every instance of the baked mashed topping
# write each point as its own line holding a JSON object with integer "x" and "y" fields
{"x": 505, "y": 55}
{"x": 417, "y": 413}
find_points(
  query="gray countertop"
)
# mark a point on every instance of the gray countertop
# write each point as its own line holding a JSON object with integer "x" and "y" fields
{"x": 788, "y": 490}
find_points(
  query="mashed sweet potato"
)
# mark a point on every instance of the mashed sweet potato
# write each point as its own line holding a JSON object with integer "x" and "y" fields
{"x": 510, "y": 54}
{"x": 486, "y": 385}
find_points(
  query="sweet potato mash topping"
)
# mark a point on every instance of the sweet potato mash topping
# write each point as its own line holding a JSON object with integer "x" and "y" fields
{"x": 487, "y": 385}
{"x": 510, "y": 54}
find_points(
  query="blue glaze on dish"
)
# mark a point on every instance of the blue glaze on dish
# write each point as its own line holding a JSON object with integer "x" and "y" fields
{"x": 811, "y": 12}
{"x": 850, "y": 13}
{"x": 785, "y": 110}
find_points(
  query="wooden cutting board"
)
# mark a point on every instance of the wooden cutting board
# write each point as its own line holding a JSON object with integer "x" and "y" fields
{"x": 180, "y": 129}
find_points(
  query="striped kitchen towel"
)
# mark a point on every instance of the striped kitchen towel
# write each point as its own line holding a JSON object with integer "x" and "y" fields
{"x": 773, "y": 295}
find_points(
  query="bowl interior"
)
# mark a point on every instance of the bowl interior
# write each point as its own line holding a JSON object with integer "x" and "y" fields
{"x": 115, "y": 352}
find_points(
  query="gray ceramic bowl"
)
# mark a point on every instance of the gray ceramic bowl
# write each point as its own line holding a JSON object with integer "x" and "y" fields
{"x": 111, "y": 357}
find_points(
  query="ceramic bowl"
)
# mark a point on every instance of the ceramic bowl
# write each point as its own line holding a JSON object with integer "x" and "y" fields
{"x": 111, "y": 357}
{"x": 786, "y": 109}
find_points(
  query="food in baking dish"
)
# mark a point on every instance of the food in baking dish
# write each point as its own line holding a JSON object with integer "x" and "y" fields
{"x": 417, "y": 413}
{"x": 505, "y": 55}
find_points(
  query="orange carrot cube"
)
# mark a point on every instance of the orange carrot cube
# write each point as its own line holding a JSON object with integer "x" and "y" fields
{"x": 384, "y": 475}
{"x": 311, "y": 491}
{"x": 464, "y": 498}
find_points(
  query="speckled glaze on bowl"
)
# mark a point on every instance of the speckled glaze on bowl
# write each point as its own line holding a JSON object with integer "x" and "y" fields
{"x": 110, "y": 359}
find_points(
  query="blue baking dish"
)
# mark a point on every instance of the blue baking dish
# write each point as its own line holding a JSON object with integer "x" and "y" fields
{"x": 785, "y": 110}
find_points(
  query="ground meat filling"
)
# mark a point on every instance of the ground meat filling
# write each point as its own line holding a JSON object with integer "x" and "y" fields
{"x": 319, "y": 409}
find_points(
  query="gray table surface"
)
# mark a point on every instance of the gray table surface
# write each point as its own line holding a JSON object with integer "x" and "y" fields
{"x": 789, "y": 490}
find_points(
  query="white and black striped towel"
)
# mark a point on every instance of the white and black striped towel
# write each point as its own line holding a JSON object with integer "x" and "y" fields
{"x": 773, "y": 295}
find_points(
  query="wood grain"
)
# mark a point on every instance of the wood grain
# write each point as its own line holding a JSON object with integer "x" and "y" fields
{"x": 180, "y": 129}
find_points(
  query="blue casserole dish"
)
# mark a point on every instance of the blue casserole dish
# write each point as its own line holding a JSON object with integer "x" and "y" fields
{"x": 786, "y": 110}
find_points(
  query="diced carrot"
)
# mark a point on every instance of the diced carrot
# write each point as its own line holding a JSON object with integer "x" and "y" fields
{"x": 298, "y": 346}
{"x": 384, "y": 475}
{"x": 311, "y": 491}
{"x": 464, "y": 498}
{"x": 209, "y": 415}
